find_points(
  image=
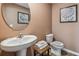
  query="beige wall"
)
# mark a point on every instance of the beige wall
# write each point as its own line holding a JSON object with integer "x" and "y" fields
{"x": 40, "y": 23}
{"x": 65, "y": 32}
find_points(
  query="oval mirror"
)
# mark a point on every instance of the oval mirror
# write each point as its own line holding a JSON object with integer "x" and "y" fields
{"x": 16, "y": 15}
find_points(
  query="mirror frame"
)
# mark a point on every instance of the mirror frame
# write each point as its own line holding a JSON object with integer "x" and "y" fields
{"x": 2, "y": 4}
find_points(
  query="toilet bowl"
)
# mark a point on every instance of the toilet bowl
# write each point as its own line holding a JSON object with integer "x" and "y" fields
{"x": 55, "y": 46}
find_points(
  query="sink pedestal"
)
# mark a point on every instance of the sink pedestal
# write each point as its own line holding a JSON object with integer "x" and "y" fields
{"x": 22, "y": 52}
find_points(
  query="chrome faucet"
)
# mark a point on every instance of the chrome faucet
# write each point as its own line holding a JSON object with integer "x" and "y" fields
{"x": 20, "y": 35}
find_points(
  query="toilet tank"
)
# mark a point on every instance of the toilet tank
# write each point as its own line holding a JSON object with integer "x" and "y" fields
{"x": 49, "y": 38}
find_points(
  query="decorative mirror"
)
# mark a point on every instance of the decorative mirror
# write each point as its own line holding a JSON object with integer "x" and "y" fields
{"x": 16, "y": 15}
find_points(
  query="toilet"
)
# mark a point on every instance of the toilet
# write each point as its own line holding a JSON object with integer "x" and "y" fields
{"x": 55, "y": 46}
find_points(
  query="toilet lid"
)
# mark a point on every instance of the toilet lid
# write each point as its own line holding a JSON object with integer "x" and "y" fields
{"x": 57, "y": 44}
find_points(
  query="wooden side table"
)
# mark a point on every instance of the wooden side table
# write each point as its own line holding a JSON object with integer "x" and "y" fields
{"x": 41, "y": 52}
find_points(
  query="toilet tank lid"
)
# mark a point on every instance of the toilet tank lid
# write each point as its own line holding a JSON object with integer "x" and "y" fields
{"x": 49, "y": 35}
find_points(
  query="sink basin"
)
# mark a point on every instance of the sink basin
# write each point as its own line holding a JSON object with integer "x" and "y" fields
{"x": 18, "y": 44}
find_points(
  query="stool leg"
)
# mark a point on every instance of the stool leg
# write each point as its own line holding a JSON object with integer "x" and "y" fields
{"x": 48, "y": 52}
{"x": 41, "y": 54}
{"x": 34, "y": 53}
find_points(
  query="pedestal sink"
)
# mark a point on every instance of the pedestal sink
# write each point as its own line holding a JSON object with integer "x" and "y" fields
{"x": 18, "y": 45}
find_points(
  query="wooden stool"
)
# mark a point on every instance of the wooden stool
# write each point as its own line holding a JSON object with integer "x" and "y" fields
{"x": 41, "y": 52}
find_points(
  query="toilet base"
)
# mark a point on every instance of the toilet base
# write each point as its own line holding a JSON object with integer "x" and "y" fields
{"x": 55, "y": 52}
